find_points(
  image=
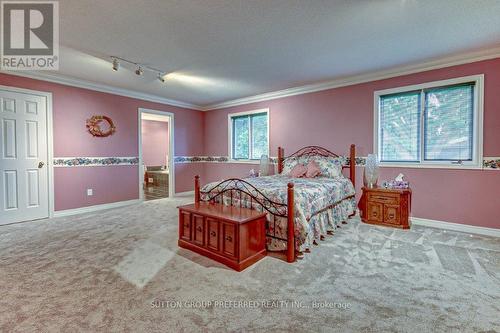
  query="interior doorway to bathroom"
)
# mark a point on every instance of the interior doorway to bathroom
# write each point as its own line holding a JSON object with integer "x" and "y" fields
{"x": 156, "y": 179}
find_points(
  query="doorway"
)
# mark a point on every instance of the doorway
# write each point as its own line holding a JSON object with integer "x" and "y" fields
{"x": 156, "y": 151}
{"x": 26, "y": 187}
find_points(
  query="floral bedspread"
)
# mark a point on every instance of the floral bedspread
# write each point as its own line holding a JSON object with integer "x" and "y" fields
{"x": 311, "y": 197}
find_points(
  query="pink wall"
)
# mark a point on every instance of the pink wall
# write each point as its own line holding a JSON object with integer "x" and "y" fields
{"x": 336, "y": 118}
{"x": 71, "y": 107}
{"x": 109, "y": 184}
{"x": 154, "y": 142}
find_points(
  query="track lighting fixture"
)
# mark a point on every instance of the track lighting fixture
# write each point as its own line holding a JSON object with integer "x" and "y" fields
{"x": 116, "y": 64}
{"x": 140, "y": 68}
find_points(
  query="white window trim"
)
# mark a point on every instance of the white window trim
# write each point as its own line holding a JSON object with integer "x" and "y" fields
{"x": 477, "y": 162}
{"x": 230, "y": 134}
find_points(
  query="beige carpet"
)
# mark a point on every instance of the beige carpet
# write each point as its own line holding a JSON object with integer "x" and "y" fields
{"x": 121, "y": 271}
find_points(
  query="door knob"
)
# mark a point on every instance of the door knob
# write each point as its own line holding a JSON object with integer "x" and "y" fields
{"x": 40, "y": 165}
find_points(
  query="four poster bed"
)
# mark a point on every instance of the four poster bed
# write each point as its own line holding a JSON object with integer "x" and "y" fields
{"x": 300, "y": 211}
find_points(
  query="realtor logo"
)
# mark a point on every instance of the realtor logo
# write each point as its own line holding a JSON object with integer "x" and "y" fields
{"x": 30, "y": 35}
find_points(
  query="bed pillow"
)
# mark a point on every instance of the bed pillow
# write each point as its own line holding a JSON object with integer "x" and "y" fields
{"x": 312, "y": 169}
{"x": 288, "y": 165}
{"x": 299, "y": 170}
{"x": 330, "y": 167}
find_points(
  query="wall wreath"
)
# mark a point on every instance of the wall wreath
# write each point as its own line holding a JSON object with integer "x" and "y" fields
{"x": 94, "y": 126}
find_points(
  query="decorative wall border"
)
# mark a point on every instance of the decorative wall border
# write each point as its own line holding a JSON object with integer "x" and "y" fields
{"x": 225, "y": 159}
{"x": 94, "y": 161}
{"x": 201, "y": 159}
{"x": 491, "y": 163}
{"x": 360, "y": 161}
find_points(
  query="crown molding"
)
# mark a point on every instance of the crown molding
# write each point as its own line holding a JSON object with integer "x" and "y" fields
{"x": 67, "y": 81}
{"x": 443, "y": 62}
{"x": 449, "y": 61}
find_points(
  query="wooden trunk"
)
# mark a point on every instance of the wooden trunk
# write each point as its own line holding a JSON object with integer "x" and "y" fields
{"x": 233, "y": 236}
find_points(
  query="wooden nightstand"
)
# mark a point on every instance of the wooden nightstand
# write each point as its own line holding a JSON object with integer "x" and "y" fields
{"x": 388, "y": 207}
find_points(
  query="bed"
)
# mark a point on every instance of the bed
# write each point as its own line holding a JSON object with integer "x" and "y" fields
{"x": 300, "y": 211}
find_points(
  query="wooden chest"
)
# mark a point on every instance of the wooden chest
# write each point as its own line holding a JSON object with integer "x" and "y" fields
{"x": 230, "y": 235}
{"x": 389, "y": 207}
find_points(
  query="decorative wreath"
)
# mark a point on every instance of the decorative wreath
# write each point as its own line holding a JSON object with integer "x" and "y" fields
{"x": 93, "y": 126}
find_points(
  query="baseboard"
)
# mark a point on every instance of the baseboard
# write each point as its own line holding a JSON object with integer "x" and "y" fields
{"x": 178, "y": 194}
{"x": 456, "y": 227}
{"x": 88, "y": 209}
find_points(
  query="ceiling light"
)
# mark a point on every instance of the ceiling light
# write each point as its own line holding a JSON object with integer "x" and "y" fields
{"x": 116, "y": 64}
{"x": 140, "y": 68}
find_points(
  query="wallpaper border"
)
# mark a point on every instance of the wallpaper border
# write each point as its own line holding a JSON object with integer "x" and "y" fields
{"x": 491, "y": 163}
{"x": 201, "y": 159}
{"x": 61, "y": 162}
{"x": 225, "y": 159}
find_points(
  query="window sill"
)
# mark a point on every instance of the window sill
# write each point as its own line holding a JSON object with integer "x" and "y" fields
{"x": 431, "y": 166}
{"x": 244, "y": 161}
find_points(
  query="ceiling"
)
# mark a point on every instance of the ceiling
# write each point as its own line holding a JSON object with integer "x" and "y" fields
{"x": 221, "y": 50}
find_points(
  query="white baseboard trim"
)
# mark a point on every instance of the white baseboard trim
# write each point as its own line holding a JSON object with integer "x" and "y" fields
{"x": 456, "y": 227}
{"x": 179, "y": 194}
{"x": 88, "y": 209}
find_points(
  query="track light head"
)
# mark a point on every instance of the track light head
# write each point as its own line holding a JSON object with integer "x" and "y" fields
{"x": 139, "y": 70}
{"x": 116, "y": 64}
{"x": 161, "y": 77}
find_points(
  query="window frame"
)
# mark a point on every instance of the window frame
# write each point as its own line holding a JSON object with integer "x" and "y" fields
{"x": 230, "y": 117}
{"x": 477, "y": 138}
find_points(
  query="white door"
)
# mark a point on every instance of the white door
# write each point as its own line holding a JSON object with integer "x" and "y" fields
{"x": 23, "y": 157}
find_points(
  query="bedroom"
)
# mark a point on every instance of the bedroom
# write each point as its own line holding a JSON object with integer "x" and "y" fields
{"x": 81, "y": 250}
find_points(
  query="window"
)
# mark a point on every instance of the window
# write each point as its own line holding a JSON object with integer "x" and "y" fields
{"x": 249, "y": 135}
{"x": 434, "y": 124}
